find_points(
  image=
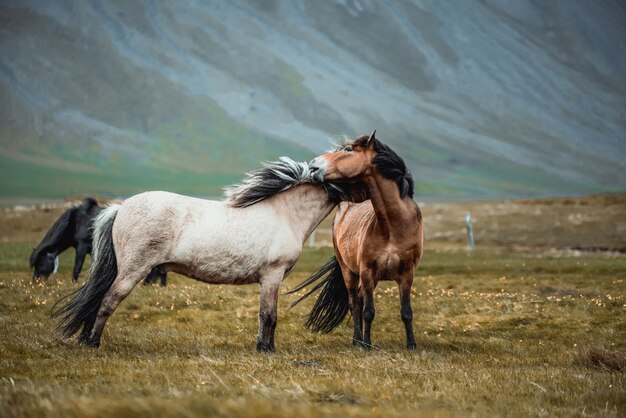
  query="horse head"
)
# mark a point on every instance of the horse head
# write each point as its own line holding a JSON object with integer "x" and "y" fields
{"x": 364, "y": 157}
{"x": 44, "y": 265}
{"x": 350, "y": 162}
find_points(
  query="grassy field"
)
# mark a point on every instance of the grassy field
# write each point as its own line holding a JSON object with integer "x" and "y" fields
{"x": 504, "y": 331}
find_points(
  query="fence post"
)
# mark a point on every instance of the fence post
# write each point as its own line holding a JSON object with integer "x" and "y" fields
{"x": 470, "y": 232}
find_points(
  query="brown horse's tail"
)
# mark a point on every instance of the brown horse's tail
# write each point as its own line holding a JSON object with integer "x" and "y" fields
{"x": 331, "y": 306}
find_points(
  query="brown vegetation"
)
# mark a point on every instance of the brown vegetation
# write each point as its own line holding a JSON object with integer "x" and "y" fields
{"x": 605, "y": 359}
{"x": 499, "y": 332}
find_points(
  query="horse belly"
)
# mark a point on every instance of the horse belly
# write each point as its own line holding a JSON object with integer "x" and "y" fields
{"x": 220, "y": 264}
{"x": 216, "y": 272}
{"x": 221, "y": 256}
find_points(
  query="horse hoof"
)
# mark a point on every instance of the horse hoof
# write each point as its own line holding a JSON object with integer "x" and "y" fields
{"x": 88, "y": 342}
{"x": 411, "y": 346}
{"x": 266, "y": 348}
{"x": 364, "y": 345}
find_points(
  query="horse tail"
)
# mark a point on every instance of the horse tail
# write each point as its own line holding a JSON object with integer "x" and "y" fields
{"x": 82, "y": 310}
{"x": 53, "y": 236}
{"x": 331, "y": 306}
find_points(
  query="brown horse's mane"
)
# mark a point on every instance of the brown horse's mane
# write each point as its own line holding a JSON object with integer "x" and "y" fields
{"x": 390, "y": 165}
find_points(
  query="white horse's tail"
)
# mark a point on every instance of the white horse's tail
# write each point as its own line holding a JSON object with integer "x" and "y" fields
{"x": 332, "y": 305}
{"x": 82, "y": 310}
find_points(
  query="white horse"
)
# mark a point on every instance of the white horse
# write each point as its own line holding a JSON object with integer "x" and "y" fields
{"x": 254, "y": 236}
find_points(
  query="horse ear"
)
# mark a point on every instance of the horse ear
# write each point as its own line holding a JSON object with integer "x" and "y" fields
{"x": 371, "y": 140}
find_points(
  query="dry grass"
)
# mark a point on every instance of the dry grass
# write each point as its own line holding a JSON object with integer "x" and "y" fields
{"x": 605, "y": 359}
{"x": 499, "y": 333}
{"x": 491, "y": 341}
{"x": 590, "y": 223}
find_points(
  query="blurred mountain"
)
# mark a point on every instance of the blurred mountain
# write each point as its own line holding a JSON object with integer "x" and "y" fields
{"x": 483, "y": 98}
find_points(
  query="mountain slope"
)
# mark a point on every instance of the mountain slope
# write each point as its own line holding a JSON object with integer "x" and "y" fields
{"x": 482, "y": 98}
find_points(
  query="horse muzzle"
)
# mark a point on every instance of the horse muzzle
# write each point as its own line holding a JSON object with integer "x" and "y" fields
{"x": 40, "y": 277}
{"x": 318, "y": 169}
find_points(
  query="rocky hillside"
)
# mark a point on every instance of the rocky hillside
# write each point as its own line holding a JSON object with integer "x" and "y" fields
{"x": 484, "y": 98}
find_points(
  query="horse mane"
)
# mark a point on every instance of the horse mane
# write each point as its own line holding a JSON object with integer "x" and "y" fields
{"x": 54, "y": 235}
{"x": 88, "y": 203}
{"x": 274, "y": 177}
{"x": 345, "y": 192}
{"x": 390, "y": 165}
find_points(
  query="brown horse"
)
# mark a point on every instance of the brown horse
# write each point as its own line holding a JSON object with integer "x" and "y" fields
{"x": 379, "y": 239}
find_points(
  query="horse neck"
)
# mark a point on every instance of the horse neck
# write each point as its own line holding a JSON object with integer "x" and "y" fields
{"x": 305, "y": 206}
{"x": 389, "y": 207}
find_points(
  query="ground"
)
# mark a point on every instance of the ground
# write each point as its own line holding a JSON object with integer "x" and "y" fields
{"x": 530, "y": 324}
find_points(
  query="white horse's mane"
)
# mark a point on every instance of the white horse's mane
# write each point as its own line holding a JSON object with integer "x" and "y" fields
{"x": 274, "y": 177}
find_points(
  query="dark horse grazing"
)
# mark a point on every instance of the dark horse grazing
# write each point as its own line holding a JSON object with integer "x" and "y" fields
{"x": 72, "y": 229}
{"x": 379, "y": 239}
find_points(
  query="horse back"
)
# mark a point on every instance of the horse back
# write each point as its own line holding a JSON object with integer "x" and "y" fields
{"x": 83, "y": 223}
{"x": 196, "y": 237}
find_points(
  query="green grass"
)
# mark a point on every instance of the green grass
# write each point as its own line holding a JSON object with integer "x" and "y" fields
{"x": 197, "y": 150}
{"x": 26, "y": 180}
{"x": 497, "y": 335}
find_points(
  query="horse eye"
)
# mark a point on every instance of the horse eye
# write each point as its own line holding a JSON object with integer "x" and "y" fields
{"x": 347, "y": 149}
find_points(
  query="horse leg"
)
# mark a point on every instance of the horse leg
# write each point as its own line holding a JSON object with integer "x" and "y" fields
{"x": 355, "y": 302}
{"x": 124, "y": 283}
{"x": 268, "y": 311}
{"x": 151, "y": 277}
{"x": 369, "y": 312}
{"x": 404, "y": 284}
{"x": 155, "y": 274}
{"x": 81, "y": 251}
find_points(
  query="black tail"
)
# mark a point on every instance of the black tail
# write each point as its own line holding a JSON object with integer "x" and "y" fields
{"x": 82, "y": 310}
{"x": 331, "y": 306}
